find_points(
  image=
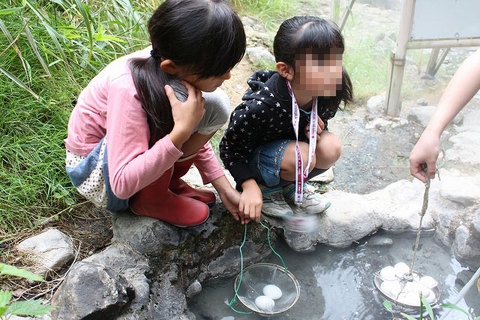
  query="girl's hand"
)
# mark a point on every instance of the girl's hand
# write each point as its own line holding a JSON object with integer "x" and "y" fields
{"x": 251, "y": 201}
{"x": 186, "y": 115}
{"x": 230, "y": 199}
{"x": 229, "y": 196}
{"x": 320, "y": 128}
{"x": 425, "y": 152}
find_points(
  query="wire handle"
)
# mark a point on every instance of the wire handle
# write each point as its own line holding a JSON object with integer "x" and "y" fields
{"x": 234, "y": 299}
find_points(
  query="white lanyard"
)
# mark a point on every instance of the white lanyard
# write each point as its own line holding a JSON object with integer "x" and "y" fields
{"x": 300, "y": 173}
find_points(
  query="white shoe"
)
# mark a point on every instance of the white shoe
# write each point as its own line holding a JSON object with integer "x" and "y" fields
{"x": 313, "y": 202}
{"x": 274, "y": 204}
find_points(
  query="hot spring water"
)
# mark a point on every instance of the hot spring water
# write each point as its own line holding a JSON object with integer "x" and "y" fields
{"x": 338, "y": 283}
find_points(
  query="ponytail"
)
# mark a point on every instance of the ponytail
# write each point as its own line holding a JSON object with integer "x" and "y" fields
{"x": 150, "y": 81}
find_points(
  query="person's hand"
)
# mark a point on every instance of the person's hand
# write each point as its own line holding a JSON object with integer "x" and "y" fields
{"x": 251, "y": 200}
{"x": 230, "y": 199}
{"x": 425, "y": 152}
{"x": 320, "y": 128}
{"x": 186, "y": 115}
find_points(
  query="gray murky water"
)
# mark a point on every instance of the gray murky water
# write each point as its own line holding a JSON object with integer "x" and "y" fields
{"x": 338, "y": 283}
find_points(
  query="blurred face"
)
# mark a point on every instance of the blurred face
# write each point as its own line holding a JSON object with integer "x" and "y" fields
{"x": 318, "y": 75}
{"x": 206, "y": 84}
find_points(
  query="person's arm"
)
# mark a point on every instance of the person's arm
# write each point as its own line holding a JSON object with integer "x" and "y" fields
{"x": 211, "y": 172}
{"x": 463, "y": 86}
{"x": 229, "y": 196}
{"x": 132, "y": 164}
{"x": 236, "y": 147}
{"x": 251, "y": 201}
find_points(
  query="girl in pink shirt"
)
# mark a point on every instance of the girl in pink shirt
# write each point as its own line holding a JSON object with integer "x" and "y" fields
{"x": 143, "y": 121}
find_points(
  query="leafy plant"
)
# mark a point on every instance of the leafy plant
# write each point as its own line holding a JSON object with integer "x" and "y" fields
{"x": 23, "y": 308}
{"x": 425, "y": 304}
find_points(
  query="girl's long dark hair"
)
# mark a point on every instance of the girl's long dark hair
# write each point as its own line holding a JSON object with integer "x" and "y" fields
{"x": 301, "y": 34}
{"x": 206, "y": 36}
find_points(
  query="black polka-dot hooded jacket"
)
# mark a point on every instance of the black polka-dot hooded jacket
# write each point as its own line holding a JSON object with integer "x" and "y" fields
{"x": 264, "y": 116}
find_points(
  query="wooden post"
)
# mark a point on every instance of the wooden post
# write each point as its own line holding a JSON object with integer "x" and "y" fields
{"x": 432, "y": 62}
{"x": 347, "y": 13}
{"x": 398, "y": 59}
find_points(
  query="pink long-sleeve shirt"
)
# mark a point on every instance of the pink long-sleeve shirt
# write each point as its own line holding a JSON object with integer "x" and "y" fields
{"x": 109, "y": 106}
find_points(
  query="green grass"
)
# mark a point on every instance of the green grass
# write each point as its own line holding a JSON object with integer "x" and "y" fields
{"x": 50, "y": 50}
{"x": 368, "y": 69}
{"x": 272, "y": 12}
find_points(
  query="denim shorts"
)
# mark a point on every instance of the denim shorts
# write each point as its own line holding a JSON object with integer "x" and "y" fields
{"x": 265, "y": 162}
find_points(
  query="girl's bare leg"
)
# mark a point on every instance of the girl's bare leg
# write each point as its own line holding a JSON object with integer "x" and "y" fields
{"x": 194, "y": 143}
{"x": 328, "y": 150}
{"x": 287, "y": 166}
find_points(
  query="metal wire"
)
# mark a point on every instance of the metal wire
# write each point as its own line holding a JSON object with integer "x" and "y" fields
{"x": 234, "y": 299}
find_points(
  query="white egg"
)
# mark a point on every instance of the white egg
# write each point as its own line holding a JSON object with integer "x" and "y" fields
{"x": 265, "y": 303}
{"x": 272, "y": 291}
{"x": 431, "y": 297}
{"x": 409, "y": 299}
{"x": 401, "y": 269}
{"x": 415, "y": 288}
{"x": 428, "y": 282}
{"x": 388, "y": 273}
{"x": 391, "y": 288}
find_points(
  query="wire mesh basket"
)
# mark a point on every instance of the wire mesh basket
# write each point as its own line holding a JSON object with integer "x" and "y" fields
{"x": 404, "y": 290}
{"x": 267, "y": 288}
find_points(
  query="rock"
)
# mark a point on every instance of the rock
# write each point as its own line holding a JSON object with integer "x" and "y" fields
{"x": 146, "y": 259}
{"x": 167, "y": 301}
{"x": 422, "y": 102}
{"x": 260, "y": 56}
{"x": 143, "y": 234}
{"x": 228, "y": 264}
{"x": 464, "y": 190}
{"x": 376, "y": 105}
{"x": 465, "y": 148}
{"x": 381, "y": 123}
{"x": 254, "y": 23}
{"x": 421, "y": 114}
{"x": 91, "y": 290}
{"x": 379, "y": 241}
{"x": 14, "y": 317}
{"x": 51, "y": 250}
{"x": 469, "y": 120}
{"x": 379, "y": 37}
{"x": 476, "y": 224}
{"x": 130, "y": 265}
{"x": 464, "y": 247}
{"x": 352, "y": 217}
{"x": 194, "y": 289}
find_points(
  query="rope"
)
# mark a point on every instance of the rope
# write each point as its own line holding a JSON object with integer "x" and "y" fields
{"x": 422, "y": 214}
{"x": 234, "y": 299}
{"x": 241, "y": 275}
{"x": 270, "y": 245}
